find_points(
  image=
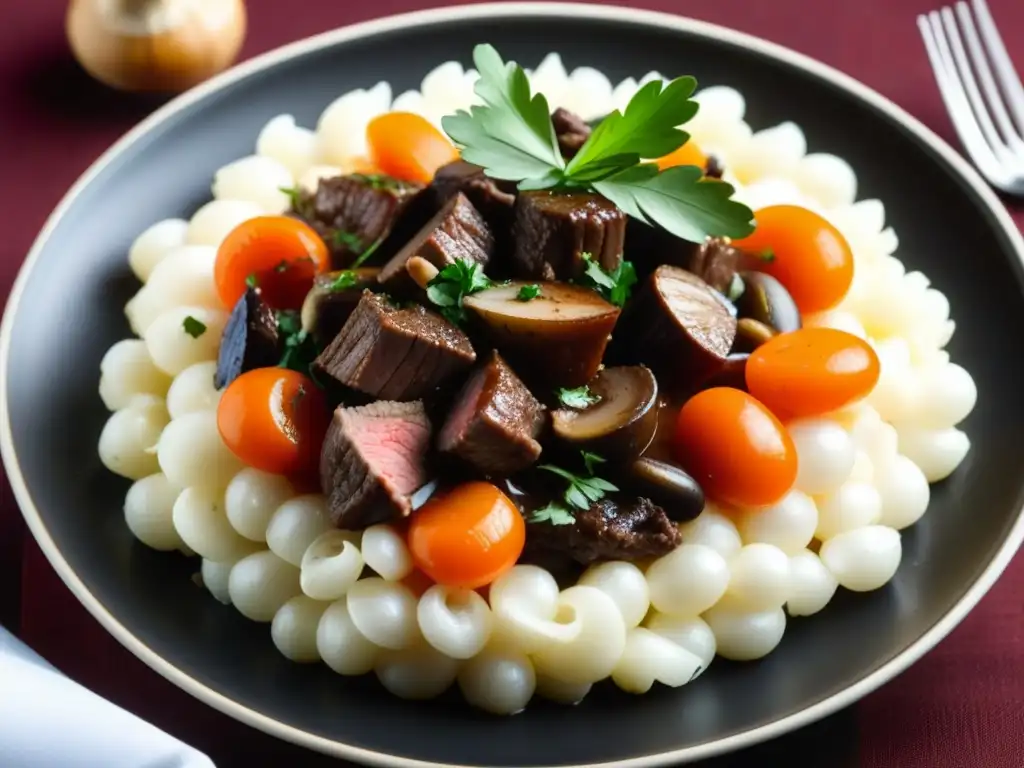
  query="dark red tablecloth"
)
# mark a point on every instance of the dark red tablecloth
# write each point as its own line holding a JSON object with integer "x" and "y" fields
{"x": 961, "y": 707}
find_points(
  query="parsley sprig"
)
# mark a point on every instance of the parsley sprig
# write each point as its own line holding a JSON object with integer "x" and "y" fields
{"x": 299, "y": 348}
{"x": 578, "y": 398}
{"x": 616, "y": 285}
{"x": 582, "y": 491}
{"x": 194, "y": 328}
{"x": 528, "y": 292}
{"x": 452, "y": 284}
{"x": 512, "y": 137}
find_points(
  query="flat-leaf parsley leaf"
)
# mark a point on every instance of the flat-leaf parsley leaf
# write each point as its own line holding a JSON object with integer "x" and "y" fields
{"x": 578, "y": 398}
{"x": 194, "y": 328}
{"x": 528, "y": 292}
{"x": 616, "y": 285}
{"x": 583, "y": 490}
{"x": 452, "y": 284}
{"x": 553, "y": 513}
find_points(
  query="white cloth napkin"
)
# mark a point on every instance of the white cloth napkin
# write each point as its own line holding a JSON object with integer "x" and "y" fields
{"x": 49, "y": 721}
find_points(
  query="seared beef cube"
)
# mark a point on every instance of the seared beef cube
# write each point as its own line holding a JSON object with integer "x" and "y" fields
{"x": 571, "y": 131}
{"x": 494, "y": 422}
{"x": 372, "y": 461}
{"x": 609, "y": 530}
{"x": 715, "y": 262}
{"x": 677, "y": 325}
{"x": 394, "y": 353}
{"x": 353, "y": 212}
{"x": 250, "y": 339}
{"x": 457, "y": 231}
{"x": 332, "y": 299}
{"x": 493, "y": 198}
{"x": 554, "y": 230}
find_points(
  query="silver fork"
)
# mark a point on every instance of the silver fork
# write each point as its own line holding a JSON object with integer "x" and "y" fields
{"x": 989, "y": 120}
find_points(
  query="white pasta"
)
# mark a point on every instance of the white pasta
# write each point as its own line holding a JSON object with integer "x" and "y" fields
{"x": 788, "y": 524}
{"x": 215, "y": 578}
{"x": 129, "y": 438}
{"x": 936, "y": 452}
{"x": 947, "y": 395}
{"x": 294, "y": 628}
{"x": 341, "y": 645}
{"x": 863, "y": 559}
{"x": 713, "y": 529}
{"x": 758, "y": 578}
{"x": 650, "y": 657}
{"x": 252, "y": 497}
{"x": 560, "y": 691}
{"x": 261, "y": 583}
{"x": 598, "y": 644}
{"x": 588, "y": 93}
{"x": 854, "y": 504}
{"x": 828, "y": 179}
{"x": 524, "y": 600}
{"x": 498, "y": 680}
{"x": 193, "y": 390}
{"x": 811, "y": 584}
{"x": 457, "y": 622}
{"x": 183, "y": 278}
{"x": 743, "y": 636}
{"x": 155, "y": 243}
{"x": 688, "y": 580}
{"x": 825, "y": 454}
{"x": 330, "y": 565}
{"x": 191, "y": 452}
{"x": 310, "y": 180}
{"x": 625, "y": 584}
{"x": 341, "y": 130}
{"x": 255, "y": 179}
{"x": 199, "y": 519}
{"x": 774, "y": 151}
{"x": 692, "y": 633}
{"x": 173, "y": 348}
{"x": 385, "y": 612}
{"x": 148, "y": 511}
{"x": 127, "y": 370}
{"x": 215, "y": 220}
{"x": 415, "y": 672}
{"x": 904, "y": 492}
{"x": 894, "y": 395}
{"x": 385, "y": 552}
{"x": 295, "y": 525}
{"x": 292, "y": 146}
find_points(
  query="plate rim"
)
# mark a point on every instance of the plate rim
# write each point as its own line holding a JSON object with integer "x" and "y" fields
{"x": 424, "y": 18}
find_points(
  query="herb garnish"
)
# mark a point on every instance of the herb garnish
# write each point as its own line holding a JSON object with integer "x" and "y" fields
{"x": 251, "y": 280}
{"x": 345, "y": 279}
{"x": 452, "y": 284}
{"x": 583, "y": 490}
{"x": 511, "y": 136}
{"x": 294, "y": 196}
{"x": 299, "y": 347}
{"x": 553, "y": 513}
{"x": 528, "y": 292}
{"x": 352, "y": 243}
{"x": 767, "y": 255}
{"x": 578, "y": 398}
{"x": 376, "y": 180}
{"x": 194, "y": 328}
{"x": 616, "y": 285}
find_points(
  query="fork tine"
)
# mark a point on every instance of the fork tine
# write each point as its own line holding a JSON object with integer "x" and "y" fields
{"x": 1009, "y": 81}
{"x": 984, "y": 72}
{"x": 970, "y": 86}
{"x": 954, "y": 97}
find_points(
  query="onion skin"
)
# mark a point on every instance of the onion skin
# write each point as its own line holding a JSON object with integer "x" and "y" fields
{"x": 124, "y": 56}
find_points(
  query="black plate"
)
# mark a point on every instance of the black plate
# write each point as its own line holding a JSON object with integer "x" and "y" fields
{"x": 67, "y": 310}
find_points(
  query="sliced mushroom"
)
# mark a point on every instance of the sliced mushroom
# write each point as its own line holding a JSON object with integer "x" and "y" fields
{"x": 331, "y": 300}
{"x": 750, "y": 334}
{"x": 556, "y": 339}
{"x": 679, "y": 326}
{"x": 667, "y": 486}
{"x": 622, "y": 423}
{"x": 766, "y": 300}
{"x": 250, "y": 339}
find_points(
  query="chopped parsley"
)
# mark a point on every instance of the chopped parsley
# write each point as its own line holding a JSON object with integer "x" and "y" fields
{"x": 553, "y": 513}
{"x": 510, "y": 134}
{"x": 767, "y": 255}
{"x": 452, "y": 284}
{"x": 285, "y": 264}
{"x": 583, "y": 490}
{"x": 376, "y": 180}
{"x": 294, "y": 196}
{"x": 615, "y": 286}
{"x": 528, "y": 292}
{"x": 345, "y": 279}
{"x": 251, "y": 280}
{"x": 194, "y": 328}
{"x": 578, "y": 398}
{"x": 354, "y": 244}
{"x": 299, "y": 348}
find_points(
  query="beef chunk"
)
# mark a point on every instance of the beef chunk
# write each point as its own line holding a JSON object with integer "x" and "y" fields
{"x": 457, "y": 231}
{"x": 571, "y": 131}
{"x": 495, "y": 421}
{"x": 250, "y": 339}
{"x": 332, "y": 299}
{"x": 715, "y": 262}
{"x": 372, "y": 461}
{"x": 609, "y": 530}
{"x": 395, "y": 353}
{"x": 353, "y": 212}
{"x": 491, "y": 197}
{"x": 553, "y": 231}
